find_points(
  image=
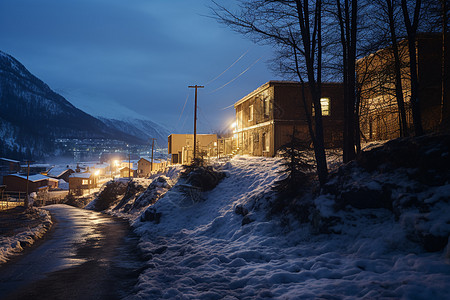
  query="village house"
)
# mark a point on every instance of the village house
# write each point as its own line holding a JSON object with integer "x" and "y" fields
{"x": 80, "y": 183}
{"x": 181, "y": 146}
{"x": 60, "y": 173}
{"x": 35, "y": 168}
{"x": 36, "y": 183}
{"x": 145, "y": 167}
{"x": 126, "y": 172}
{"x": 265, "y": 118}
{"x": 8, "y": 166}
{"x": 379, "y": 113}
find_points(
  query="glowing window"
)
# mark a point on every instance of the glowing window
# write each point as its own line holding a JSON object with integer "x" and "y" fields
{"x": 250, "y": 113}
{"x": 325, "y": 105}
{"x": 85, "y": 181}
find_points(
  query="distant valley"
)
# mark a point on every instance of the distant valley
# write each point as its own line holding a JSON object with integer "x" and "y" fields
{"x": 38, "y": 123}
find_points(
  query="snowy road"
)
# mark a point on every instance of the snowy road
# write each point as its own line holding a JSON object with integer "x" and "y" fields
{"x": 87, "y": 256}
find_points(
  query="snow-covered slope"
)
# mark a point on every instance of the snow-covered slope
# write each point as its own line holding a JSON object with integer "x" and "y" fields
{"x": 226, "y": 247}
{"x": 142, "y": 129}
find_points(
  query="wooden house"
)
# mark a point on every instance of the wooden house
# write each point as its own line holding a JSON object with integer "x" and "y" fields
{"x": 60, "y": 173}
{"x": 127, "y": 172}
{"x": 79, "y": 183}
{"x": 145, "y": 167}
{"x": 181, "y": 146}
{"x": 379, "y": 113}
{"x": 18, "y": 183}
{"x": 266, "y": 117}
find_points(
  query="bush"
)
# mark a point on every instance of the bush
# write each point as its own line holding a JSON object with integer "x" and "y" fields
{"x": 108, "y": 196}
{"x": 298, "y": 166}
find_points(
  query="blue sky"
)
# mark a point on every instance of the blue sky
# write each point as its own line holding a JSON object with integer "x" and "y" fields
{"x": 135, "y": 58}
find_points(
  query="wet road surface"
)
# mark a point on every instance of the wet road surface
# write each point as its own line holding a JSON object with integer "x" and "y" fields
{"x": 87, "y": 255}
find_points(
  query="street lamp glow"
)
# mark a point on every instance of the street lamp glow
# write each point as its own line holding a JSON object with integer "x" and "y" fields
{"x": 233, "y": 125}
{"x": 96, "y": 173}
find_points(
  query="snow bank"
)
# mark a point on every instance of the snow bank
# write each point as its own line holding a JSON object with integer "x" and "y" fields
{"x": 10, "y": 245}
{"x": 226, "y": 247}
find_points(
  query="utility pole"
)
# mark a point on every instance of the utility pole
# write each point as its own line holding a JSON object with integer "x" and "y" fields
{"x": 26, "y": 202}
{"x": 129, "y": 166}
{"x": 195, "y": 116}
{"x": 153, "y": 144}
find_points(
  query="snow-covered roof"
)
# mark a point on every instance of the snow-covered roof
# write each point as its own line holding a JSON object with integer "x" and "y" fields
{"x": 9, "y": 160}
{"x": 57, "y": 171}
{"x": 40, "y": 166}
{"x": 34, "y": 178}
{"x": 155, "y": 160}
{"x": 132, "y": 168}
{"x": 101, "y": 166}
{"x": 80, "y": 175}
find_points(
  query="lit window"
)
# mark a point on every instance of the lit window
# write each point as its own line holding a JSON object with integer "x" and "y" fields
{"x": 85, "y": 181}
{"x": 325, "y": 105}
{"x": 250, "y": 113}
{"x": 266, "y": 106}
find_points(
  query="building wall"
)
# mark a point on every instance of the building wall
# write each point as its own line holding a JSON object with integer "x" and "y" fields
{"x": 144, "y": 168}
{"x": 18, "y": 184}
{"x": 180, "y": 146}
{"x": 76, "y": 184}
{"x": 272, "y": 123}
{"x": 379, "y": 114}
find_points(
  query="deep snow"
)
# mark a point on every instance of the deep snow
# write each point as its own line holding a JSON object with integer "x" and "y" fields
{"x": 11, "y": 245}
{"x": 201, "y": 250}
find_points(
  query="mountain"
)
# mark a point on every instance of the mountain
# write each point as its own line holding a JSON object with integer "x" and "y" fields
{"x": 33, "y": 116}
{"x": 144, "y": 129}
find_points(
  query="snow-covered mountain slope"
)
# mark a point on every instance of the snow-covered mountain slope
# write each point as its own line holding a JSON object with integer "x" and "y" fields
{"x": 143, "y": 129}
{"x": 32, "y": 116}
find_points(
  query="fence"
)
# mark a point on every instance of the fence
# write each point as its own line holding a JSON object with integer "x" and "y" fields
{"x": 9, "y": 199}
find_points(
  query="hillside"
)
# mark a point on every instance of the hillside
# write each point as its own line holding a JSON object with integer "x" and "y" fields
{"x": 142, "y": 129}
{"x": 32, "y": 116}
{"x": 353, "y": 240}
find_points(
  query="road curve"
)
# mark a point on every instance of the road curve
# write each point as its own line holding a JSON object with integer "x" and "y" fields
{"x": 88, "y": 255}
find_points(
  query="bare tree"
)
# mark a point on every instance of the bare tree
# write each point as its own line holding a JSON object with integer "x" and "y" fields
{"x": 347, "y": 14}
{"x": 411, "y": 30}
{"x": 390, "y": 11}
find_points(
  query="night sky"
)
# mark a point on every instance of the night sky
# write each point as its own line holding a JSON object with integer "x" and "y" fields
{"x": 135, "y": 58}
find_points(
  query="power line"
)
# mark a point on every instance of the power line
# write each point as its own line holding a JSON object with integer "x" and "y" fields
{"x": 227, "y": 68}
{"x": 236, "y": 77}
{"x": 187, "y": 97}
{"x": 204, "y": 117}
{"x": 228, "y": 106}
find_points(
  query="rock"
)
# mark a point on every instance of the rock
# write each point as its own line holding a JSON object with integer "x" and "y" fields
{"x": 151, "y": 215}
{"x": 246, "y": 220}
